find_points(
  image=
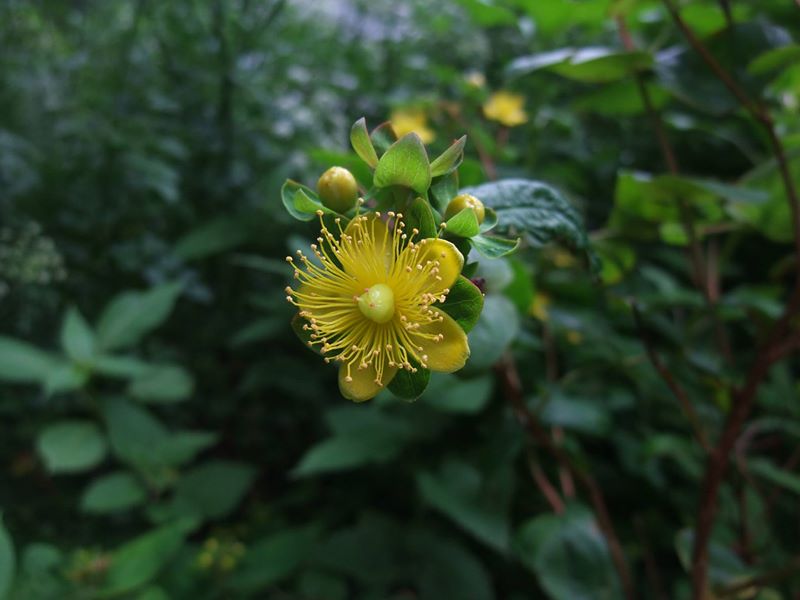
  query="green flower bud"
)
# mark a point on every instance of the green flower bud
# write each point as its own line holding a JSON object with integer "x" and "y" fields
{"x": 338, "y": 190}
{"x": 463, "y": 201}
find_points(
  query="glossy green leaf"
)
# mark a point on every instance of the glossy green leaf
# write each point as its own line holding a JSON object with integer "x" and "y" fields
{"x": 408, "y": 385}
{"x": 131, "y": 315}
{"x": 71, "y": 446}
{"x": 492, "y": 246}
{"x": 420, "y": 216}
{"x": 464, "y": 303}
{"x": 362, "y": 144}
{"x": 301, "y": 201}
{"x": 463, "y": 224}
{"x": 592, "y": 64}
{"x": 406, "y": 164}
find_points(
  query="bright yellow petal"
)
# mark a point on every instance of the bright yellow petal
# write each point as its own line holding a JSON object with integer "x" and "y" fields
{"x": 362, "y": 386}
{"x": 451, "y": 261}
{"x": 450, "y": 353}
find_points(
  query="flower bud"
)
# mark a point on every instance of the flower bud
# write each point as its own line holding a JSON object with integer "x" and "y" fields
{"x": 463, "y": 201}
{"x": 338, "y": 190}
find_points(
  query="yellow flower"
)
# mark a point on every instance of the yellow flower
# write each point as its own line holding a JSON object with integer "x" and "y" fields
{"x": 369, "y": 302}
{"x": 506, "y": 108}
{"x": 408, "y": 120}
{"x": 538, "y": 307}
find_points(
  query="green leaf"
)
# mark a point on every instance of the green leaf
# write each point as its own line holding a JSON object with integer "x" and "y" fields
{"x": 113, "y": 493}
{"x": 77, "y": 338}
{"x": 140, "y": 560}
{"x": 775, "y": 59}
{"x": 724, "y": 568}
{"x": 463, "y": 224}
{"x": 162, "y": 384}
{"x": 493, "y": 247}
{"x": 569, "y": 556}
{"x": 621, "y": 99}
{"x": 489, "y": 220}
{"x": 123, "y": 367}
{"x": 495, "y": 330}
{"x": 464, "y": 303}
{"x": 592, "y": 64}
{"x": 382, "y": 137}
{"x": 303, "y": 335}
{"x": 775, "y": 475}
{"x": 7, "y": 561}
{"x": 452, "y": 394}
{"x": 362, "y": 144}
{"x": 131, "y": 315}
{"x": 534, "y": 209}
{"x": 580, "y": 414}
{"x": 476, "y": 501}
{"x": 449, "y": 160}
{"x": 70, "y": 446}
{"x": 410, "y": 386}
{"x": 21, "y": 362}
{"x": 213, "y": 237}
{"x": 344, "y": 452}
{"x": 215, "y": 488}
{"x": 273, "y": 558}
{"x": 420, "y": 215}
{"x": 443, "y": 190}
{"x": 301, "y": 201}
{"x": 405, "y": 163}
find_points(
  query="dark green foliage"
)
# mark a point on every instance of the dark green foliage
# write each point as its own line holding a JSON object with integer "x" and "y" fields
{"x": 165, "y": 435}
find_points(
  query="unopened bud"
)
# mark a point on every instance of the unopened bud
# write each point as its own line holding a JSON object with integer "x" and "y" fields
{"x": 463, "y": 201}
{"x": 338, "y": 190}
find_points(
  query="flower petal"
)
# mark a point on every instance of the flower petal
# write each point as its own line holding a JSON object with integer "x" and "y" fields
{"x": 451, "y": 261}
{"x": 450, "y": 353}
{"x": 363, "y": 386}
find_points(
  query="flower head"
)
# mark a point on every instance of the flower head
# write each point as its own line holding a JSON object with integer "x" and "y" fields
{"x": 369, "y": 302}
{"x": 408, "y": 120}
{"x": 506, "y": 108}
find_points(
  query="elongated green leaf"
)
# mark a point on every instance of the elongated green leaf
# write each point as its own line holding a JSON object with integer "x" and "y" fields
{"x": 775, "y": 475}
{"x": 216, "y": 488}
{"x": 213, "y": 237}
{"x": 362, "y": 144}
{"x": 69, "y": 446}
{"x": 593, "y": 64}
{"x": 131, "y": 315}
{"x": 162, "y": 383}
{"x": 405, "y": 163}
{"x": 301, "y": 201}
{"x": 449, "y": 160}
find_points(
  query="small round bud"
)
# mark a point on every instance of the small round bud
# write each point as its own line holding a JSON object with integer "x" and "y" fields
{"x": 338, "y": 190}
{"x": 463, "y": 201}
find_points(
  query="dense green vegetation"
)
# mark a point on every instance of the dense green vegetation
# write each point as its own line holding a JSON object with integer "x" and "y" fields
{"x": 627, "y": 424}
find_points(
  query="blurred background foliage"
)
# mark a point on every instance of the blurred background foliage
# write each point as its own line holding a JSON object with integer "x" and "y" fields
{"x": 166, "y": 436}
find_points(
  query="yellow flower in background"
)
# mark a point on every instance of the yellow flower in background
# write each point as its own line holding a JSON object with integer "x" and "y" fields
{"x": 506, "y": 108}
{"x": 538, "y": 307}
{"x": 408, "y": 120}
{"x": 369, "y": 302}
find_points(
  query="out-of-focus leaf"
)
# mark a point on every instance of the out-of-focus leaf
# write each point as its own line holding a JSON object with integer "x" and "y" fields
{"x": 450, "y": 394}
{"x": 569, "y": 556}
{"x": 340, "y": 453}
{"x": 131, "y": 315}
{"x": 70, "y": 446}
{"x": 496, "y": 328}
{"x": 215, "y": 488}
{"x": 21, "y": 362}
{"x": 775, "y": 59}
{"x": 162, "y": 383}
{"x": 594, "y": 64}
{"x": 77, "y": 338}
{"x": 724, "y": 568}
{"x": 112, "y": 493}
{"x": 475, "y": 501}
{"x": 7, "y": 561}
{"x": 140, "y": 560}
{"x": 405, "y": 163}
{"x": 621, "y": 98}
{"x": 273, "y": 558}
{"x": 775, "y": 475}
{"x": 212, "y": 238}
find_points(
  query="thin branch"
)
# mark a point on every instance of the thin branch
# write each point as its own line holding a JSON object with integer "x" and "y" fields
{"x": 512, "y": 386}
{"x": 548, "y": 489}
{"x": 680, "y": 394}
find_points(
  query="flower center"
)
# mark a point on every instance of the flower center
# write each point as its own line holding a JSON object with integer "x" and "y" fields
{"x": 377, "y": 303}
